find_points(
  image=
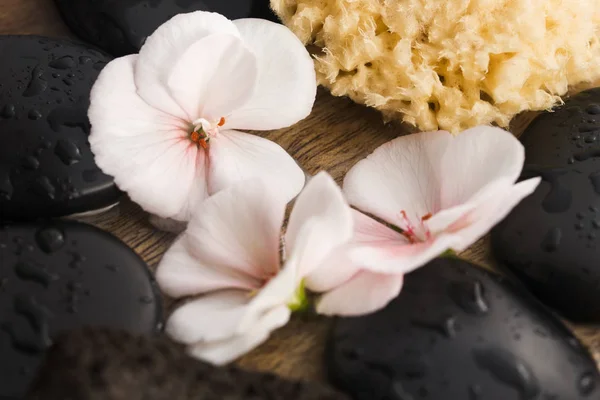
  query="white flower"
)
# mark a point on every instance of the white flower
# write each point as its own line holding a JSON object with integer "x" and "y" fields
{"x": 164, "y": 122}
{"x": 230, "y": 257}
{"x": 441, "y": 191}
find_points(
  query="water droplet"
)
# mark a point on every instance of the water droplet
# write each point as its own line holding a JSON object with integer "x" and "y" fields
{"x": 46, "y": 144}
{"x": 591, "y": 236}
{"x": 593, "y": 209}
{"x": 90, "y": 175}
{"x": 50, "y": 239}
{"x": 63, "y": 63}
{"x": 579, "y": 215}
{"x": 37, "y": 85}
{"x": 596, "y": 224}
{"x": 70, "y": 117}
{"x": 44, "y": 187}
{"x": 34, "y": 115}
{"x": 68, "y": 82}
{"x": 84, "y": 59}
{"x": 588, "y": 128}
{"x": 55, "y": 75}
{"x": 6, "y": 188}
{"x": 508, "y": 369}
{"x": 29, "y": 271}
{"x": 586, "y": 384}
{"x": 593, "y": 109}
{"x": 552, "y": 240}
{"x": 558, "y": 198}
{"x": 579, "y": 226}
{"x": 30, "y": 162}
{"x": 469, "y": 296}
{"x": 77, "y": 260}
{"x": 68, "y": 152}
{"x": 36, "y": 338}
{"x": 595, "y": 181}
{"x": 8, "y": 111}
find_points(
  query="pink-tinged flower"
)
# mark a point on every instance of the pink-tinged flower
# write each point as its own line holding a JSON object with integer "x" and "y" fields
{"x": 165, "y": 122}
{"x": 441, "y": 192}
{"x": 229, "y": 260}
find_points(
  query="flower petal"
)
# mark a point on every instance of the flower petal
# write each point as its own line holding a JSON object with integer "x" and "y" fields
{"x": 338, "y": 267}
{"x": 237, "y": 157}
{"x": 286, "y": 87}
{"x": 165, "y": 46}
{"x": 213, "y": 77}
{"x": 480, "y": 221}
{"x": 144, "y": 149}
{"x": 320, "y": 222}
{"x": 227, "y": 350}
{"x": 365, "y": 293}
{"x": 215, "y": 316}
{"x": 180, "y": 273}
{"x": 239, "y": 230}
{"x": 425, "y": 173}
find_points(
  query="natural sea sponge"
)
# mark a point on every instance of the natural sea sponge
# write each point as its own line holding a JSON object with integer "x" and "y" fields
{"x": 450, "y": 64}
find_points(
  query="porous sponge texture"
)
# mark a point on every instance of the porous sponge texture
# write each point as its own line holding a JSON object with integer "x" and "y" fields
{"x": 450, "y": 64}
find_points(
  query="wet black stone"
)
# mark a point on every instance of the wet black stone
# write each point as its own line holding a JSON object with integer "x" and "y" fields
{"x": 53, "y": 278}
{"x": 514, "y": 350}
{"x": 43, "y": 140}
{"x": 121, "y": 26}
{"x": 113, "y": 365}
{"x": 549, "y": 240}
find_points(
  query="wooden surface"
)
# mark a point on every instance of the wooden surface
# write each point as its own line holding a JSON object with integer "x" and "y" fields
{"x": 333, "y": 138}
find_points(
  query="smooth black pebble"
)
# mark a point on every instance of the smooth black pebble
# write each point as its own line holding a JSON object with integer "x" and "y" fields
{"x": 121, "y": 27}
{"x": 114, "y": 365}
{"x": 457, "y": 331}
{"x": 551, "y": 240}
{"x": 44, "y": 150}
{"x": 55, "y": 277}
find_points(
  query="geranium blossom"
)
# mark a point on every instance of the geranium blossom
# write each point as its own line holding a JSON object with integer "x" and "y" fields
{"x": 229, "y": 258}
{"x": 164, "y": 122}
{"x": 440, "y": 191}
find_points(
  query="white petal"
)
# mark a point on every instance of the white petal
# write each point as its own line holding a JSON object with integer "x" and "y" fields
{"x": 213, "y": 77}
{"x": 425, "y": 173}
{"x": 286, "y": 87}
{"x": 239, "y": 230}
{"x": 180, "y": 273}
{"x": 225, "y": 351}
{"x": 367, "y": 292}
{"x": 476, "y": 224}
{"x": 165, "y": 46}
{"x": 237, "y": 157}
{"x": 145, "y": 150}
{"x": 320, "y": 222}
{"x": 215, "y": 316}
{"x": 338, "y": 267}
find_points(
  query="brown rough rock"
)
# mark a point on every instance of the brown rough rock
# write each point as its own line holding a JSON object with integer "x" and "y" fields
{"x": 99, "y": 364}
{"x": 450, "y": 64}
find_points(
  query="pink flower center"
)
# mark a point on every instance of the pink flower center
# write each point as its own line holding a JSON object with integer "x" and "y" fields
{"x": 204, "y": 130}
{"x": 416, "y": 233}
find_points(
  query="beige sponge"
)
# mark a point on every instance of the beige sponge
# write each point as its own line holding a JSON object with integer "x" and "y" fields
{"x": 450, "y": 64}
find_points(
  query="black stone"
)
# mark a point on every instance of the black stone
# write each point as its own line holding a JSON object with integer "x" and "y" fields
{"x": 63, "y": 275}
{"x": 551, "y": 239}
{"x": 459, "y": 332}
{"x": 122, "y": 26}
{"x": 100, "y": 364}
{"x": 44, "y": 151}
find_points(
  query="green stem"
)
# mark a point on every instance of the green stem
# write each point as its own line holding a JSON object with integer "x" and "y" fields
{"x": 300, "y": 301}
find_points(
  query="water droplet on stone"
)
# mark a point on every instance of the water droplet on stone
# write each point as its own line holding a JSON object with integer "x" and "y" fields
{"x": 595, "y": 181}
{"x": 34, "y": 115}
{"x": 469, "y": 296}
{"x": 593, "y": 109}
{"x": 70, "y": 117}
{"x": 31, "y": 163}
{"x": 579, "y": 226}
{"x": 37, "y": 84}
{"x": 90, "y": 175}
{"x": 508, "y": 369}
{"x": 8, "y": 111}
{"x": 43, "y": 187}
{"x": 68, "y": 82}
{"x": 586, "y": 384}
{"x": 50, "y": 239}
{"x": 84, "y": 59}
{"x": 6, "y": 187}
{"x": 552, "y": 240}
{"x": 63, "y": 63}
{"x": 68, "y": 152}
{"x": 29, "y": 271}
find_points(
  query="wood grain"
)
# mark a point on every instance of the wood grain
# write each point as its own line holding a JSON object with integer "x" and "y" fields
{"x": 336, "y": 135}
